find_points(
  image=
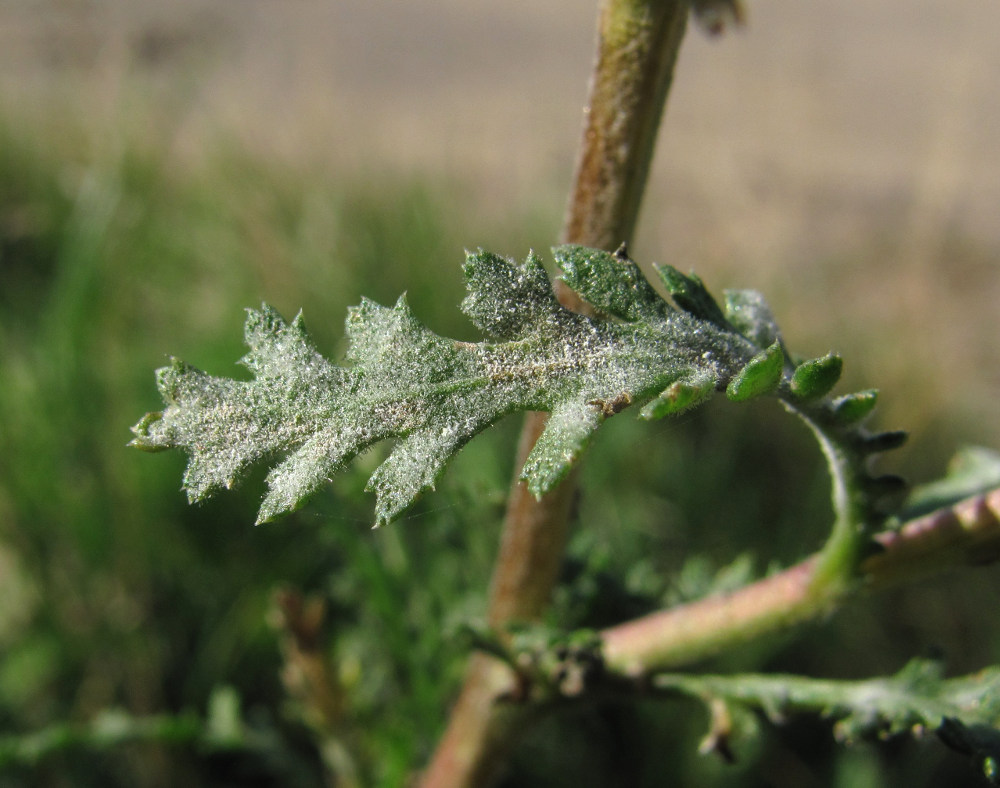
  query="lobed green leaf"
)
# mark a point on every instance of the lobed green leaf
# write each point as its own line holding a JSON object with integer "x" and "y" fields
{"x": 310, "y": 417}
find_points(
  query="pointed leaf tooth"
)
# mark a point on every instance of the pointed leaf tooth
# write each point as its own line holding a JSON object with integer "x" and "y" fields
{"x": 679, "y": 396}
{"x": 262, "y": 326}
{"x": 300, "y": 474}
{"x": 373, "y": 329}
{"x": 414, "y": 466}
{"x": 853, "y": 408}
{"x": 881, "y": 441}
{"x": 262, "y": 330}
{"x": 170, "y": 380}
{"x": 566, "y": 435}
{"x": 206, "y": 474}
{"x": 690, "y": 294}
{"x": 392, "y": 350}
{"x": 281, "y": 350}
{"x": 145, "y": 439}
{"x": 611, "y": 282}
{"x": 761, "y": 375}
{"x": 814, "y": 378}
{"x": 506, "y": 298}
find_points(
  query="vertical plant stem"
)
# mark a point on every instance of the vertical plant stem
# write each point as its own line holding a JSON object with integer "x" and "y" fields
{"x": 637, "y": 46}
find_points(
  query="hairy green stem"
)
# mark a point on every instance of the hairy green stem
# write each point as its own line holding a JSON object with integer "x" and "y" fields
{"x": 690, "y": 632}
{"x": 637, "y": 46}
{"x": 836, "y": 565}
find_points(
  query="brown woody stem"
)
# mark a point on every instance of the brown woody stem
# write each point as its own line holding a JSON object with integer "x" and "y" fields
{"x": 637, "y": 46}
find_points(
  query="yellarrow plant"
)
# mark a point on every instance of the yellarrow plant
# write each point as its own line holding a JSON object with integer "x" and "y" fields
{"x": 433, "y": 394}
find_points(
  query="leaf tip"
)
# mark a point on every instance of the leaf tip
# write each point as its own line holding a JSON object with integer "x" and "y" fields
{"x": 144, "y": 440}
{"x": 690, "y": 294}
{"x": 816, "y": 377}
{"x": 611, "y": 282}
{"x": 853, "y": 408}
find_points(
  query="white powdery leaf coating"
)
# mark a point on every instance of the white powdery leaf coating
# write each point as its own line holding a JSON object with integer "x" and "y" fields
{"x": 431, "y": 393}
{"x": 751, "y": 316}
{"x": 506, "y": 299}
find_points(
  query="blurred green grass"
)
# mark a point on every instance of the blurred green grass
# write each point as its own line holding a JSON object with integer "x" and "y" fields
{"x": 128, "y": 596}
{"x": 118, "y": 594}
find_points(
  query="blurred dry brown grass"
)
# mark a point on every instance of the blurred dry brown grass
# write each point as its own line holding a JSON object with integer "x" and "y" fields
{"x": 842, "y": 157}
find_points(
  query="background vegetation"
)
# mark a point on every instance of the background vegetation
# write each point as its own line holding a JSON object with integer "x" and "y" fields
{"x": 126, "y": 236}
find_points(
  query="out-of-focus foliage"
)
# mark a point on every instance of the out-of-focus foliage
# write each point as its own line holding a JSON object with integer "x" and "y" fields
{"x": 117, "y": 595}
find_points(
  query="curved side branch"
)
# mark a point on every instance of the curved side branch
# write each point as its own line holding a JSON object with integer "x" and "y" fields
{"x": 966, "y": 534}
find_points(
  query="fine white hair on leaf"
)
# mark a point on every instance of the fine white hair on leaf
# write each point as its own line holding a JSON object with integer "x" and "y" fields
{"x": 310, "y": 417}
